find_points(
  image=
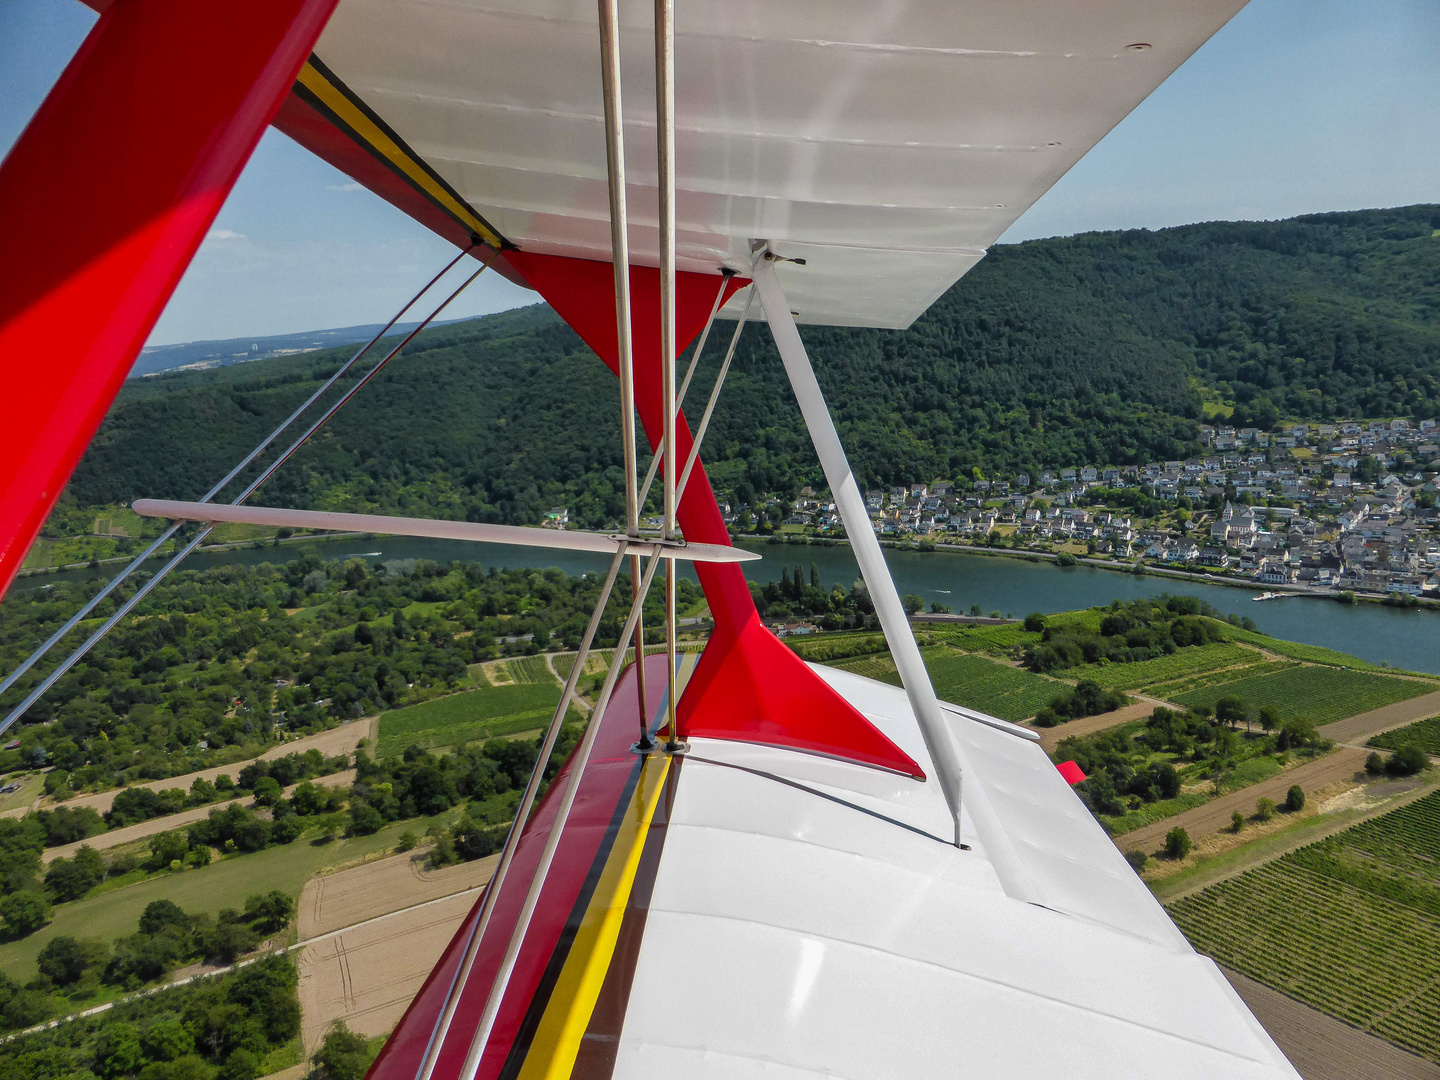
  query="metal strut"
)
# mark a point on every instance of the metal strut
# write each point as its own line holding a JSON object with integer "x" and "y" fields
{"x": 140, "y": 593}
{"x": 665, "y": 153}
{"x": 946, "y": 755}
{"x": 620, "y": 259}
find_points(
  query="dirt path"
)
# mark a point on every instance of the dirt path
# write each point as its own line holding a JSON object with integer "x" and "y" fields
{"x": 367, "y": 974}
{"x": 1341, "y": 765}
{"x": 1089, "y": 725}
{"x": 1356, "y": 729}
{"x": 116, "y": 837}
{"x": 338, "y": 740}
{"x": 1323, "y": 1048}
{"x": 577, "y": 701}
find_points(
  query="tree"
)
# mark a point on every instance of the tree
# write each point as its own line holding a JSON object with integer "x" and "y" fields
{"x": 913, "y": 602}
{"x": 364, "y": 819}
{"x": 343, "y": 1055}
{"x": 167, "y": 847}
{"x": 117, "y": 1050}
{"x": 1034, "y": 622}
{"x": 269, "y": 911}
{"x": 1264, "y": 809}
{"x": 1295, "y": 798}
{"x": 161, "y": 915}
{"x": 1269, "y": 719}
{"x": 268, "y": 791}
{"x": 24, "y": 912}
{"x": 64, "y": 959}
{"x": 1237, "y": 821}
{"x": 1177, "y": 843}
{"x": 1231, "y": 710}
{"x": 1137, "y": 859}
{"x": 167, "y": 1039}
{"x": 1374, "y": 764}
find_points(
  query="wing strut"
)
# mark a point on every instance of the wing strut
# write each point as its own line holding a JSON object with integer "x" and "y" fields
{"x": 949, "y": 759}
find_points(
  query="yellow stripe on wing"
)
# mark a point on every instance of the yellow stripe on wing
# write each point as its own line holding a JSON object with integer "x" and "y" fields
{"x": 338, "y": 102}
{"x": 557, "y": 1040}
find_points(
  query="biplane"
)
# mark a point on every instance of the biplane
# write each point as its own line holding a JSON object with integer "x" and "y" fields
{"x": 749, "y": 866}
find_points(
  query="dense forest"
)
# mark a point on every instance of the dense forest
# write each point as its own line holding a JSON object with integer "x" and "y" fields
{"x": 216, "y": 661}
{"x": 1100, "y": 348}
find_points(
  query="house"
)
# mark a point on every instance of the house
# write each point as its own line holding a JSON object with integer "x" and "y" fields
{"x": 1088, "y": 475}
{"x": 1274, "y": 572}
{"x": 1214, "y": 556}
{"x": 557, "y": 517}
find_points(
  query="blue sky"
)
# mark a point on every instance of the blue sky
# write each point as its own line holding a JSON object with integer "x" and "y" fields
{"x": 1296, "y": 106}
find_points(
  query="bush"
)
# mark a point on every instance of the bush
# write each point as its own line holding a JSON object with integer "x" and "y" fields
{"x": 1408, "y": 760}
{"x": 1295, "y": 798}
{"x": 1237, "y": 821}
{"x": 1374, "y": 764}
{"x": 407, "y": 841}
{"x": 365, "y": 819}
{"x": 24, "y": 912}
{"x": 1178, "y": 843}
{"x": 267, "y": 791}
{"x": 343, "y": 1055}
{"x": 1035, "y": 622}
{"x": 1264, "y": 809}
{"x": 1137, "y": 860}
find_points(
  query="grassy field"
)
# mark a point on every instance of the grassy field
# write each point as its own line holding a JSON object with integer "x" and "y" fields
{"x": 1183, "y": 663}
{"x": 1424, "y": 732}
{"x": 469, "y": 716}
{"x": 1347, "y": 925}
{"x": 30, "y": 788}
{"x": 109, "y": 913}
{"x": 970, "y": 680}
{"x": 1318, "y": 694}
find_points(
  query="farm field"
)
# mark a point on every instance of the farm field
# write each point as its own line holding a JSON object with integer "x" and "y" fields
{"x": 1170, "y": 691}
{"x": 1000, "y": 640}
{"x": 1424, "y": 732}
{"x": 1318, "y": 694}
{"x": 529, "y": 671}
{"x": 970, "y": 680}
{"x": 1180, "y": 664}
{"x": 109, "y": 913}
{"x": 1347, "y": 925}
{"x": 468, "y": 716}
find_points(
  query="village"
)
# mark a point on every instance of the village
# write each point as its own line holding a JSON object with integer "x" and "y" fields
{"x": 1347, "y": 507}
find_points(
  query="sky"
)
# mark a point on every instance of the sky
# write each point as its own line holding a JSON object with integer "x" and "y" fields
{"x": 1296, "y": 106}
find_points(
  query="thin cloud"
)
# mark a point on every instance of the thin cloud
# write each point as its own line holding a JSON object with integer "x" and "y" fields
{"x": 224, "y": 234}
{"x": 342, "y": 187}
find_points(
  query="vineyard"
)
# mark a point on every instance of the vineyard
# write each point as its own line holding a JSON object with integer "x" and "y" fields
{"x": 468, "y": 717}
{"x": 970, "y": 680}
{"x": 529, "y": 670}
{"x": 1347, "y": 925}
{"x": 1166, "y": 669}
{"x": 1172, "y": 691}
{"x": 1294, "y": 650}
{"x": 1318, "y": 694}
{"x": 1424, "y": 732}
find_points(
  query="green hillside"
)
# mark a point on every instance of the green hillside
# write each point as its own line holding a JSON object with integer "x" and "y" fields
{"x": 1096, "y": 348}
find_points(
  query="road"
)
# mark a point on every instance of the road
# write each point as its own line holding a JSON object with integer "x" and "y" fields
{"x": 1344, "y": 764}
{"x": 116, "y": 837}
{"x": 1050, "y": 738}
{"x": 337, "y": 740}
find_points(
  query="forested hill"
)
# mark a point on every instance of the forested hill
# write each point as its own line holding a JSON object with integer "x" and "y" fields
{"x": 1098, "y": 348}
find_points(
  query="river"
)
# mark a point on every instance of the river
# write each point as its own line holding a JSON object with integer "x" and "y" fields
{"x": 1403, "y": 638}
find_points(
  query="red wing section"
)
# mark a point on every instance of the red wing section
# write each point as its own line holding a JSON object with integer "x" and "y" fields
{"x": 748, "y": 686}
